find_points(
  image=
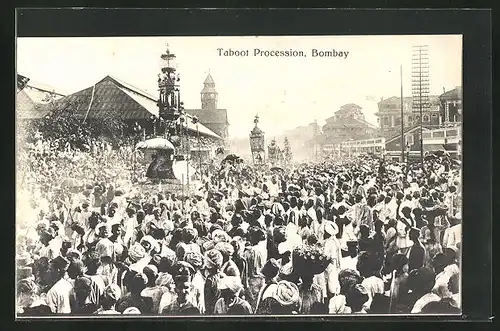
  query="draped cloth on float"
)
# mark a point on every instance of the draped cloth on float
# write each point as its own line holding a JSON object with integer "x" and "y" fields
{"x": 161, "y": 166}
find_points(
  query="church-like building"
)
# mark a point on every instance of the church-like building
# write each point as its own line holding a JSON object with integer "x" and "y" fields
{"x": 209, "y": 115}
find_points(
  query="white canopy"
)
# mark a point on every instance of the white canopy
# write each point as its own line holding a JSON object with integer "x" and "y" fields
{"x": 155, "y": 143}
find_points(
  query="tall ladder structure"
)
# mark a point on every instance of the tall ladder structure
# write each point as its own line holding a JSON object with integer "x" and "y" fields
{"x": 420, "y": 87}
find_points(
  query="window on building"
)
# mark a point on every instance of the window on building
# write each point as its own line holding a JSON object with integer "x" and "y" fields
{"x": 386, "y": 120}
{"x": 426, "y": 118}
{"x": 410, "y": 118}
{"x": 451, "y": 133}
{"x": 438, "y": 134}
{"x": 434, "y": 115}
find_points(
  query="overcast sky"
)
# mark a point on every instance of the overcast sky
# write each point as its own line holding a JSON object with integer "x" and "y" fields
{"x": 286, "y": 92}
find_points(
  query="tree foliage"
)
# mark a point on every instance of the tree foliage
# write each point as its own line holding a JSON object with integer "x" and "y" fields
{"x": 66, "y": 125}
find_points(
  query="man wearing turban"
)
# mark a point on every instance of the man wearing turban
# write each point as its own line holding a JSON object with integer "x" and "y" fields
{"x": 213, "y": 265}
{"x": 182, "y": 299}
{"x": 138, "y": 257}
{"x": 256, "y": 258}
{"x": 228, "y": 267}
{"x": 286, "y": 293}
{"x": 196, "y": 260}
{"x": 230, "y": 302}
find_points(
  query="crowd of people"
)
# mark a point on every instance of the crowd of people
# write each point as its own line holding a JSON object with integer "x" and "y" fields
{"x": 347, "y": 236}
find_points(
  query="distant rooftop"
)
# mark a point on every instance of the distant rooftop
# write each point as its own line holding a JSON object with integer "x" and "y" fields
{"x": 44, "y": 87}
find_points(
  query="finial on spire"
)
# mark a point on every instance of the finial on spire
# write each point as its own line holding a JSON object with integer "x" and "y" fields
{"x": 256, "y": 119}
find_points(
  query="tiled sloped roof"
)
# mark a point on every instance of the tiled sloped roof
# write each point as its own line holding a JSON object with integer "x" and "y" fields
{"x": 454, "y": 94}
{"x": 24, "y": 102}
{"x": 106, "y": 96}
{"x": 256, "y": 131}
{"x": 397, "y": 133}
{"x": 395, "y": 99}
{"x": 113, "y": 95}
{"x": 131, "y": 87}
{"x": 46, "y": 88}
{"x": 349, "y": 122}
{"x": 206, "y": 116}
{"x": 433, "y": 100}
{"x": 40, "y": 96}
{"x": 149, "y": 103}
{"x": 368, "y": 124}
{"x": 42, "y": 87}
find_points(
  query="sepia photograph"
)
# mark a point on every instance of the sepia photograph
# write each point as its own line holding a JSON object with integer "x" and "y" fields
{"x": 238, "y": 175}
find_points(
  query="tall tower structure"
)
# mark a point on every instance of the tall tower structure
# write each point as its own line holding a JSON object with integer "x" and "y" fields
{"x": 209, "y": 94}
{"x": 170, "y": 106}
{"x": 257, "y": 143}
{"x": 420, "y": 86}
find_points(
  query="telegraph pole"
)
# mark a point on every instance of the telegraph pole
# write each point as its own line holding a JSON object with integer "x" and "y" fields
{"x": 402, "y": 117}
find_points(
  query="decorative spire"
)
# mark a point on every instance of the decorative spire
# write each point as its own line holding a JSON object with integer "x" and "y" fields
{"x": 209, "y": 80}
{"x": 168, "y": 60}
{"x": 256, "y": 130}
{"x": 256, "y": 119}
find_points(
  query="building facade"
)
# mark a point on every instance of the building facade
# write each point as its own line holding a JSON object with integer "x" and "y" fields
{"x": 451, "y": 106}
{"x": 448, "y": 138}
{"x": 352, "y": 148}
{"x": 209, "y": 115}
{"x": 348, "y": 123}
{"x": 389, "y": 114}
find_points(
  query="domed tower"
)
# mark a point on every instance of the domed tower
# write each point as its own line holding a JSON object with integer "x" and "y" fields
{"x": 209, "y": 94}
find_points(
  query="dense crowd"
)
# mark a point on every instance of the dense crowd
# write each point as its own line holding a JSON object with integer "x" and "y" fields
{"x": 351, "y": 236}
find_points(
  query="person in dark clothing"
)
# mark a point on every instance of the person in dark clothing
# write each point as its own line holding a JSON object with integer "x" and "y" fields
{"x": 213, "y": 261}
{"x": 421, "y": 282}
{"x": 152, "y": 171}
{"x": 364, "y": 242}
{"x": 135, "y": 285}
{"x": 319, "y": 308}
{"x": 378, "y": 237}
{"x": 236, "y": 230}
{"x": 81, "y": 303}
{"x": 419, "y": 221}
{"x": 416, "y": 255}
{"x": 407, "y": 219}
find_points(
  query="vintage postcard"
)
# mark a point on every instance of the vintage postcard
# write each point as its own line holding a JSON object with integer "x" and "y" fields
{"x": 249, "y": 175}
